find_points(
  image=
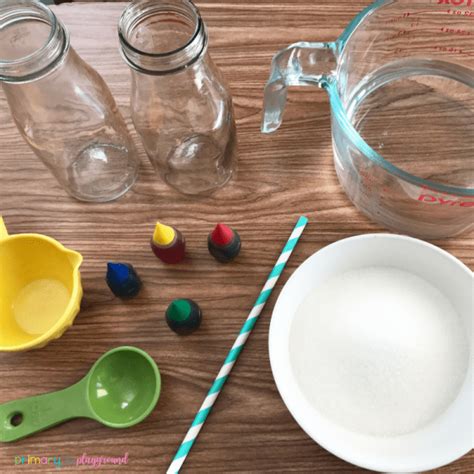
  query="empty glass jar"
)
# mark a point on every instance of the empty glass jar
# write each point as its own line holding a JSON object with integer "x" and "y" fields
{"x": 61, "y": 106}
{"x": 180, "y": 104}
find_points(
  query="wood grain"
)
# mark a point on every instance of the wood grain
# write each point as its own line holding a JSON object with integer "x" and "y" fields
{"x": 280, "y": 177}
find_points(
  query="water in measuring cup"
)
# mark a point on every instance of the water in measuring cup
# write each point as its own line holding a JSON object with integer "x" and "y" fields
{"x": 419, "y": 115}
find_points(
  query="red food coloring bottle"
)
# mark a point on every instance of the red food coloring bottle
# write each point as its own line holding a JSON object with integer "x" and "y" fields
{"x": 224, "y": 243}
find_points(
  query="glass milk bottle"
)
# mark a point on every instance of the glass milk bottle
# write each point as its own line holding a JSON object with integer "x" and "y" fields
{"x": 180, "y": 105}
{"x": 61, "y": 106}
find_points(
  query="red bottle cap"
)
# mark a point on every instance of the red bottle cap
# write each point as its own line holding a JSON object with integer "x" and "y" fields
{"x": 222, "y": 235}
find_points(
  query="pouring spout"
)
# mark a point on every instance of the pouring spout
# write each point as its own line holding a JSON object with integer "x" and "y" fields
{"x": 3, "y": 229}
{"x": 75, "y": 258}
{"x": 300, "y": 64}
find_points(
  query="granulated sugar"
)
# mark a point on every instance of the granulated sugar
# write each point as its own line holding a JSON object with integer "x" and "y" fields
{"x": 378, "y": 350}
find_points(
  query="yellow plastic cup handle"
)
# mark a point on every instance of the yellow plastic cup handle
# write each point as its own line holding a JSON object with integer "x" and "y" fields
{"x": 3, "y": 229}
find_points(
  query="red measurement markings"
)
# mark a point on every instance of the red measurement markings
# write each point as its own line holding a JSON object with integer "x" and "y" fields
{"x": 406, "y": 15}
{"x": 456, "y": 3}
{"x": 456, "y": 31}
{"x": 398, "y": 18}
{"x": 399, "y": 34}
{"x": 438, "y": 48}
{"x": 467, "y": 13}
{"x": 405, "y": 32}
{"x": 452, "y": 49}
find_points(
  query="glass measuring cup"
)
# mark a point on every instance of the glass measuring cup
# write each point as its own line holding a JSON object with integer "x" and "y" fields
{"x": 400, "y": 80}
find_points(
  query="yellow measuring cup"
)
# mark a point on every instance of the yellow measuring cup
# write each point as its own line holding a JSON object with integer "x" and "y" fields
{"x": 40, "y": 289}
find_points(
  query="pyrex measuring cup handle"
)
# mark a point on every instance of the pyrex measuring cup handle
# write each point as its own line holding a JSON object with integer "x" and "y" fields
{"x": 21, "y": 418}
{"x": 3, "y": 229}
{"x": 300, "y": 64}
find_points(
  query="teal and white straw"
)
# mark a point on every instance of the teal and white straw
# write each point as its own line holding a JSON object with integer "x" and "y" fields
{"x": 233, "y": 354}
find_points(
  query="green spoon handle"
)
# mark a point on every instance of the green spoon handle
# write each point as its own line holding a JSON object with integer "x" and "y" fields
{"x": 21, "y": 418}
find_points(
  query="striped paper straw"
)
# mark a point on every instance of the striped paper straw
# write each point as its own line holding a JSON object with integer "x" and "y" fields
{"x": 233, "y": 354}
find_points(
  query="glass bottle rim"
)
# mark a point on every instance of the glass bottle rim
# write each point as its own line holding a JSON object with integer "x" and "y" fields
{"x": 197, "y": 29}
{"x": 46, "y": 57}
{"x": 198, "y": 38}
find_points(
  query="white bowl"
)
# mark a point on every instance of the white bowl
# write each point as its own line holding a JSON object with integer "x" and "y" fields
{"x": 441, "y": 442}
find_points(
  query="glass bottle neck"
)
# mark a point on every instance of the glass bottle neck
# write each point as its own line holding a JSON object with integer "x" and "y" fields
{"x": 32, "y": 40}
{"x": 162, "y": 37}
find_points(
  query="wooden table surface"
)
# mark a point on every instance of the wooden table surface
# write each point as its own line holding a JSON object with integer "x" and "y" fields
{"x": 280, "y": 177}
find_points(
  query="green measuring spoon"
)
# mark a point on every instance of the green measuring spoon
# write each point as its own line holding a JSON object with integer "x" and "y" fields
{"x": 120, "y": 390}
